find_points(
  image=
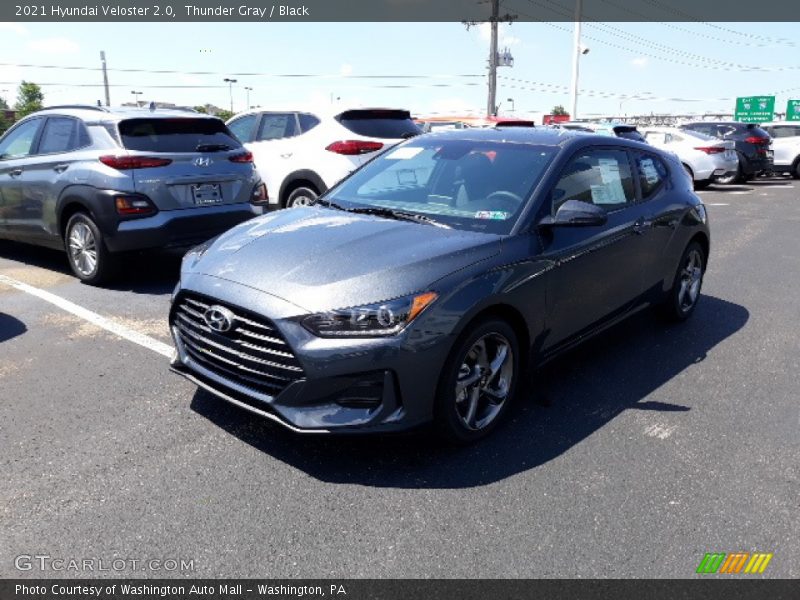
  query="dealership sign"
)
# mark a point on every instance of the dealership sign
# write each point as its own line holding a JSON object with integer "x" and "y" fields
{"x": 755, "y": 109}
{"x": 793, "y": 110}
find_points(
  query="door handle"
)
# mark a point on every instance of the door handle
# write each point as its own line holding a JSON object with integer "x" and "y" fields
{"x": 15, "y": 172}
{"x": 641, "y": 226}
{"x": 287, "y": 155}
{"x": 60, "y": 168}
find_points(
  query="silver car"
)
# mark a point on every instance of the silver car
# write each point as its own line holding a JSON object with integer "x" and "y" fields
{"x": 97, "y": 182}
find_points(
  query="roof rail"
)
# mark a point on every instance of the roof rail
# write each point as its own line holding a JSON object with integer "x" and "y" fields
{"x": 77, "y": 106}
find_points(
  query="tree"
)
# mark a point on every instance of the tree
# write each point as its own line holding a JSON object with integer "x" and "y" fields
{"x": 223, "y": 114}
{"x": 201, "y": 109}
{"x": 29, "y": 99}
{"x": 4, "y": 123}
{"x": 559, "y": 111}
{"x": 3, "y": 104}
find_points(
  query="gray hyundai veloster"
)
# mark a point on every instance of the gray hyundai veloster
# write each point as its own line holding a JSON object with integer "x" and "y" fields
{"x": 431, "y": 281}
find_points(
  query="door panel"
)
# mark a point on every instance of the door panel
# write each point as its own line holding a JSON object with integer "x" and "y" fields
{"x": 597, "y": 269}
{"x": 15, "y": 150}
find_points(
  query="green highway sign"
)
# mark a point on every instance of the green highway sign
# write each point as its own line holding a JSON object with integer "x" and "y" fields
{"x": 793, "y": 110}
{"x": 755, "y": 109}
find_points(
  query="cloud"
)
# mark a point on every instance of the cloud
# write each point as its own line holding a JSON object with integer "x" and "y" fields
{"x": 346, "y": 69}
{"x": 54, "y": 45}
{"x": 640, "y": 62}
{"x": 14, "y": 28}
{"x": 504, "y": 37}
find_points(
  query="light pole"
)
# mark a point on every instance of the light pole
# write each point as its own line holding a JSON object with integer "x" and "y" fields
{"x": 136, "y": 95}
{"x": 512, "y": 104}
{"x": 248, "y": 90}
{"x": 230, "y": 83}
{"x": 576, "y": 57}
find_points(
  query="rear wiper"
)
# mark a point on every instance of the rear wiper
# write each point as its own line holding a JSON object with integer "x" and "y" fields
{"x": 212, "y": 147}
{"x": 399, "y": 215}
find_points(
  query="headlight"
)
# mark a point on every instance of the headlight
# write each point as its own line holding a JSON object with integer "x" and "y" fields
{"x": 372, "y": 320}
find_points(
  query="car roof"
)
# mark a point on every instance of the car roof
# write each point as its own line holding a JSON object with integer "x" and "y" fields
{"x": 102, "y": 113}
{"x": 795, "y": 123}
{"x": 316, "y": 110}
{"x": 544, "y": 136}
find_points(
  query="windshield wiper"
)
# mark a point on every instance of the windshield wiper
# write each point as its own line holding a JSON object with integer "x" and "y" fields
{"x": 212, "y": 147}
{"x": 398, "y": 215}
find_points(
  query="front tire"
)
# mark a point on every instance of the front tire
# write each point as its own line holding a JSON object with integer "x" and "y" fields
{"x": 796, "y": 170}
{"x": 735, "y": 177}
{"x": 302, "y": 196}
{"x": 479, "y": 382}
{"x": 87, "y": 254}
{"x": 685, "y": 292}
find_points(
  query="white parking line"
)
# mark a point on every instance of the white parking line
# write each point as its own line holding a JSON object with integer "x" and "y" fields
{"x": 92, "y": 317}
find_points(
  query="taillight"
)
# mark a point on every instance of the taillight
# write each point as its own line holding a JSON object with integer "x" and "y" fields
{"x": 134, "y": 162}
{"x": 353, "y": 147}
{"x": 244, "y": 157}
{"x": 711, "y": 149}
{"x": 758, "y": 141}
{"x": 260, "y": 195}
{"x": 133, "y": 205}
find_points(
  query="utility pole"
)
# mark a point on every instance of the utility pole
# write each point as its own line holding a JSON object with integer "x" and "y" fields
{"x": 248, "y": 90}
{"x": 105, "y": 77}
{"x": 491, "y": 102}
{"x": 576, "y": 58}
{"x": 494, "y": 20}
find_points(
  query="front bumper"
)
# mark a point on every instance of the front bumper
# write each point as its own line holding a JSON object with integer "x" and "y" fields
{"x": 348, "y": 385}
{"x": 177, "y": 228}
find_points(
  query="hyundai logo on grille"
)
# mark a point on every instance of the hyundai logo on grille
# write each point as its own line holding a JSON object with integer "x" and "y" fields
{"x": 219, "y": 318}
{"x": 203, "y": 162}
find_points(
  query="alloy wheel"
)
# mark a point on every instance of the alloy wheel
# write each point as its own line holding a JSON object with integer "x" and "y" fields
{"x": 83, "y": 249}
{"x": 691, "y": 278}
{"x": 484, "y": 381}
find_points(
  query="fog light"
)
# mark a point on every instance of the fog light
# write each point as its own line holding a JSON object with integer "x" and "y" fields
{"x": 362, "y": 394}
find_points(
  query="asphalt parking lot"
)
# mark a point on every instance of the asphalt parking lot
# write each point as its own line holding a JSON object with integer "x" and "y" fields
{"x": 660, "y": 443}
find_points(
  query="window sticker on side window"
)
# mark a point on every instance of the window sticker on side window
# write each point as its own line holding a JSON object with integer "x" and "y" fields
{"x": 610, "y": 191}
{"x": 404, "y": 153}
{"x": 648, "y": 170}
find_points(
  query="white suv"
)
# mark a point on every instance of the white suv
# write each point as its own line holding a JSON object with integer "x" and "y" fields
{"x": 785, "y": 145}
{"x": 299, "y": 155}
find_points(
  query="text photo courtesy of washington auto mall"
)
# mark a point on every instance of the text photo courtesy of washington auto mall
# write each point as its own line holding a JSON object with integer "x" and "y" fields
{"x": 390, "y": 299}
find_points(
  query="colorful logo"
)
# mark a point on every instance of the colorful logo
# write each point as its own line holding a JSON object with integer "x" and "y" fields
{"x": 734, "y": 563}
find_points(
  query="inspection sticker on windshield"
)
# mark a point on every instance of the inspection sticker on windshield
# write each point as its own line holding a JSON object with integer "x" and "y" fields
{"x": 495, "y": 215}
{"x": 404, "y": 153}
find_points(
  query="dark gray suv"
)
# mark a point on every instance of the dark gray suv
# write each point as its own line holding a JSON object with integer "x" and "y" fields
{"x": 97, "y": 182}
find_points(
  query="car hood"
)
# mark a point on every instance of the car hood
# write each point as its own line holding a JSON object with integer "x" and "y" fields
{"x": 319, "y": 258}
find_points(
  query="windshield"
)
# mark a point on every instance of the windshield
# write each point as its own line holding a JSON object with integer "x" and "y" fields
{"x": 465, "y": 184}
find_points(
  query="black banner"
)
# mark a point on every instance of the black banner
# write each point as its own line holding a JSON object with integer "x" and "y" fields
{"x": 366, "y": 589}
{"x": 399, "y": 10}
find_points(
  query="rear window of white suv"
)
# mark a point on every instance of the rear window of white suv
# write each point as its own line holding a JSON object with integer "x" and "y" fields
{"x": 377, "y": 123}
{"x": 180, "y": 134}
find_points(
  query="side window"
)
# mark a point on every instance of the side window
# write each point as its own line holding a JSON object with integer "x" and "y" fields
{"x": 18, "y": 142}
{"x": 722, "y": 130}
{"x": 275, "y": 126}
{"x": 656, "y": 137}
{"x": 782, "y": 131}
{"x": 307, "y": 122}
{"x": 242, "y": 127}
{"x": 652, "y": 174}
{"x": 62, "y": 134}
{"x": 601, "y": 177}
{"x": 706, "y": 129}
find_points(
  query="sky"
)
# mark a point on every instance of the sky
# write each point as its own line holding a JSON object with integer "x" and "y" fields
{"x": 631, "y": 68}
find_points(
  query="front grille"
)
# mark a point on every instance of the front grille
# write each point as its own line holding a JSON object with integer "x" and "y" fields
{"x": 253, "y": 353}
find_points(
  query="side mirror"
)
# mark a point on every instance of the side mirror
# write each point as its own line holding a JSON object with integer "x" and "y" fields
{"x": 574, "y": 213}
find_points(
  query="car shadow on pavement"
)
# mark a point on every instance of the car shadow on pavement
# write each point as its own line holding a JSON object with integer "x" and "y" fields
{"x": 10, "y": 327}
{"x": 588, "y": 387}
{"x": 142, "y": 273}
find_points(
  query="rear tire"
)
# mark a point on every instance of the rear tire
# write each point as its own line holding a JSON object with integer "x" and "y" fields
{"x": 796, "y": 170}
{"x": 302, "y": 196}
{"x": 702, "y": 184}
{"x": 682, "y": 298}
{"x": 479, "y": 382}
{"x": 87, "y": 254}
